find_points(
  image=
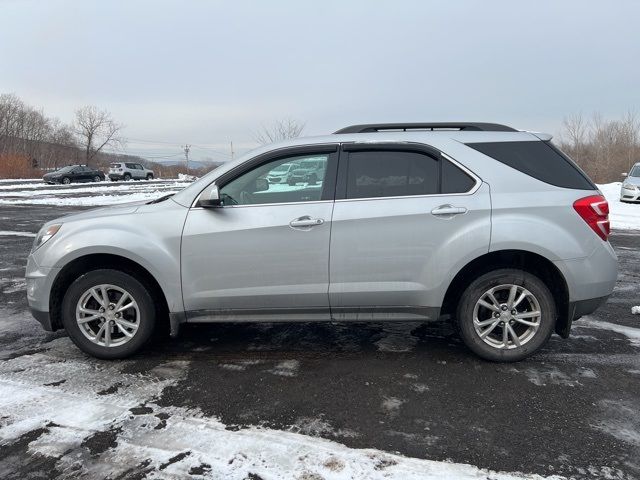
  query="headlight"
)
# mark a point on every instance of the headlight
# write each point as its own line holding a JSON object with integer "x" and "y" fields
{"x": 44, "y": 235}
{"x": 629, "y": 186}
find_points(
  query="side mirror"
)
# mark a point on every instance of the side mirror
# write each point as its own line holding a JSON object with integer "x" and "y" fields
{"x": 262, "y": 184}
{"x": 214, "y": 198}
{"x": 625, "y": 174}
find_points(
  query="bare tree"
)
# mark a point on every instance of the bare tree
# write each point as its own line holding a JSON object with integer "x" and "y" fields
{"x": 96, "y": 129}
{"x": 279, "y": 130}
{"x": 576, "y": 129}
{"x": 630, "y": 126}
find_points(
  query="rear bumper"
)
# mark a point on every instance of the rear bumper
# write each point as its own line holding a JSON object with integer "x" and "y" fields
{"x": 115, "y": 176}
{"x": 585, "y": 307}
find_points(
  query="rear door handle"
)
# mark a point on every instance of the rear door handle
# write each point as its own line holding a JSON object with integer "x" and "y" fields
{"x": 306, "y": 221}
{"x": 448, "y": 210}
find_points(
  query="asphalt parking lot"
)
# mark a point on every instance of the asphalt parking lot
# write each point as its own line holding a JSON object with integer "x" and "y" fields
{"x": 408, "y": 388}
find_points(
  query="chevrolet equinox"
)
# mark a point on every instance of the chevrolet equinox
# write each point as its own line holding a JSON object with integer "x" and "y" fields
{"x": 491, "y": 228}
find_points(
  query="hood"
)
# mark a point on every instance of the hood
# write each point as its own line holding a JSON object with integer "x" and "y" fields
{"x": 111, "y": 210}
{"x": 632, "y": 181}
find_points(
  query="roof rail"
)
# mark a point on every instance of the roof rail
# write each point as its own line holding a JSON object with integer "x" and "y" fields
{"x": 467, "y": 126}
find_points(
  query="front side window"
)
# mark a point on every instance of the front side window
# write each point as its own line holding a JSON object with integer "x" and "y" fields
{"x": 385, "y": 173}
{"x": 286, "y": 180}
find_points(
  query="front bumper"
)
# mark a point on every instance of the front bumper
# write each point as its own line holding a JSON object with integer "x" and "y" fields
{"x": 630, "y": 195}
{"x": 39, "y": 282}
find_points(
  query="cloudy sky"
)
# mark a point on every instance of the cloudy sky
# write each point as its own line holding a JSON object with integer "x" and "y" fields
{"x": 211, "y": 72}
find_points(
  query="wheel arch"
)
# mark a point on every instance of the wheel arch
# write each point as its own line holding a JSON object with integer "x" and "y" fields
{"x": 530, "y": 262}
{"x": 67, "y": 275}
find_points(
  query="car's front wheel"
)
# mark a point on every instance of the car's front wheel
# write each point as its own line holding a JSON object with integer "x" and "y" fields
{"x": 97, "y": 178}
{"x": 108, "y": 313}
{"x": 66, "y": 180}
{"x": 506, "y": 315}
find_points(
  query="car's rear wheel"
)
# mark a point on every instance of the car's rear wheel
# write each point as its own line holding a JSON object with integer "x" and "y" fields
{"x": 66, "y": 180}
{"x": 149, "y": 176}
{"x": 108, "y": 313}
{"x": 506, "y": 315}
{"x": 127, "y": 177}
{"x": 97, "y": 178}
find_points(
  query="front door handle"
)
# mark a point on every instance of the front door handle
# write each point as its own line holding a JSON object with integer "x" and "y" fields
{"x": 448, "y": 210}
{"x": 305, "y": 221}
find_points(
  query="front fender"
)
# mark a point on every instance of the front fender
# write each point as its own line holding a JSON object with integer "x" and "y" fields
{"x": 150, "y": 237}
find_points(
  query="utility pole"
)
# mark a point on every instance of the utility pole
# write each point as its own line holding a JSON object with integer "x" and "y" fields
{"x": 232, "y": 151}
{"x": 186, "y": 149}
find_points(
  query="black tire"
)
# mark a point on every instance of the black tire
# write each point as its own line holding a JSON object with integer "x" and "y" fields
{"x": 149, "y": 176}
{"x": 134, "y": 287}
{"x": 65, "y": 180}
{"x": 97, "y": 178}
{"x": 126, "y": 177}
{"x": 476, "y": 290}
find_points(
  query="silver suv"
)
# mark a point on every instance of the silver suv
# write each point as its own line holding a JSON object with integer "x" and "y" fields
{"x": 129, "y": 171}
{"x": 490, "y": 228}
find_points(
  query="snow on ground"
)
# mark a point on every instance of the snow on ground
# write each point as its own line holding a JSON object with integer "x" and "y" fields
{"x": 11, "y": 233}
{"x": 92, "y": 194}
{"x": 623, "y": 216}
{"x": 633, "y": 334}
{"x": 105, "y": 400}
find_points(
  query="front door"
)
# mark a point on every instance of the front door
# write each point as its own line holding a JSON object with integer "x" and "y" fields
{"x": 265, "y": 253}
{"x": 404, "y": 222}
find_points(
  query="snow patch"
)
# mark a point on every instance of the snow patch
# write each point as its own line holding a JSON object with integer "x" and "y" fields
{"x": 286, "y": 368}
{"x": 633, "y": 334}
{"x": 13, "y": 285}
{"x": 10, "y": 233}
{"x": 635, "y": 310}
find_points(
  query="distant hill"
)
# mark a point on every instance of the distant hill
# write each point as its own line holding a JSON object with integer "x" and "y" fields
{"x": 192, "y": 163}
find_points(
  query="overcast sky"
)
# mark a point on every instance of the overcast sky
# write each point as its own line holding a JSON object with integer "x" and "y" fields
{"x": 211, "y": 72}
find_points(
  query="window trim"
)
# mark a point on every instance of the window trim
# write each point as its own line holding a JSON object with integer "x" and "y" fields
{"x": 332, "y": 149}
{"x": 428, "y": 150}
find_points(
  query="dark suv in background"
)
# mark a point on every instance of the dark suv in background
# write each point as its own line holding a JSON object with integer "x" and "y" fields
{"x": 74, "y": 173}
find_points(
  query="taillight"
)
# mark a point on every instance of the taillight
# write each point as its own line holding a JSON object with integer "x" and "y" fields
{"x": 595, "y": 211}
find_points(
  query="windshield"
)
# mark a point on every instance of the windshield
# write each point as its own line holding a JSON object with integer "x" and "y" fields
{"x": 635, "y": 171}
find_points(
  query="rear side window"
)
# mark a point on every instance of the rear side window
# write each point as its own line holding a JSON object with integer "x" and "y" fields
{"x": 455, "y": 180}
{"x": 539, "y": 160}
{"x": 391, "y": 174}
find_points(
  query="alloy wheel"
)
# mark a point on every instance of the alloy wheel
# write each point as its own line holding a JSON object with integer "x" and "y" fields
{"x": 507, "y": 316}
{"x": 108, "y": 315}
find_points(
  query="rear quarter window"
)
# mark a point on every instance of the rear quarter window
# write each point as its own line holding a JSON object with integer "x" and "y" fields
{"x": 538, "y": 159}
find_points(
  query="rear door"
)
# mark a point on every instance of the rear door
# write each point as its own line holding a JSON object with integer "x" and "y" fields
{"x": 405, "y": 220}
